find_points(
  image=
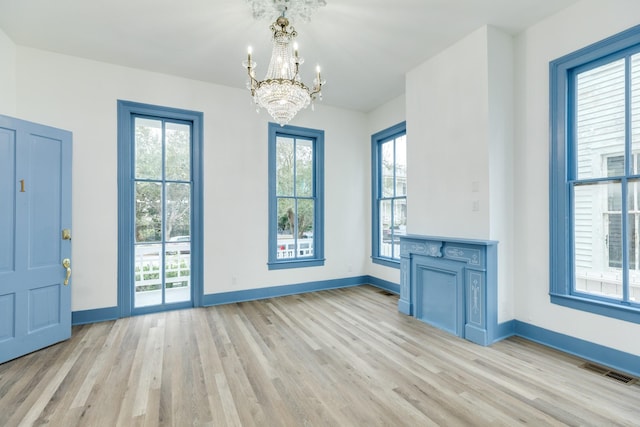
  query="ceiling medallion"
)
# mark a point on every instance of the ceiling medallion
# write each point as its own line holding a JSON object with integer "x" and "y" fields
{"x": 296, "y": 9}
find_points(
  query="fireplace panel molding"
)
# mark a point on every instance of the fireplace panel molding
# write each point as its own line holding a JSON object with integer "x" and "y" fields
{"x": 451, "y": 283}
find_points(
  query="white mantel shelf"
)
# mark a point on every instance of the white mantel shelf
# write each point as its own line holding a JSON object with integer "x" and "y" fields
{"x": 451, "y": 283}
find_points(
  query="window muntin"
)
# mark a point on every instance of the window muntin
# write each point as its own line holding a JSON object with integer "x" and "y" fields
{"x": 296, "y": 197}
{"x": 389, "y": 189}
{"x": 595, "y": 178}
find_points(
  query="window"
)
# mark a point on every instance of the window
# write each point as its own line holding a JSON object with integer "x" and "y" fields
{"x": 296, "y": 197}
{"x": 389, "y": 198}
{"x": 595, "y": 178}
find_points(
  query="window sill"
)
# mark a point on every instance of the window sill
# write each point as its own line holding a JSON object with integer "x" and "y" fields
{"x": 387, "y": 262}
{"x": 613, "y": 310}
{"x": 282, "y": 265}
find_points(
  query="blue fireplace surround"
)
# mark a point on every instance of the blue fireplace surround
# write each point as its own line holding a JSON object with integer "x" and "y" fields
{"x": 451, "y": 283}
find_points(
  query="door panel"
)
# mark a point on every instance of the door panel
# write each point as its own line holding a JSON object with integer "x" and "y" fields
{"x": 7, "y": 195}
{"x": 35, "y": 182}
{"x": 7, "y": 317}
{"x": 44, "y": 307}
{"x": 44, "y": 181}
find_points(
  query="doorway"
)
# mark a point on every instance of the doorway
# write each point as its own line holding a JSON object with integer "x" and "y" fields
{"x": 160, "y": 225}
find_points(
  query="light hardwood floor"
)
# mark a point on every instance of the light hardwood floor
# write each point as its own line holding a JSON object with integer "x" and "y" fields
{"x": 334, "y": 358}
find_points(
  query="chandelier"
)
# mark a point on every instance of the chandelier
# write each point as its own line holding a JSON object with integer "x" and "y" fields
{"x": 282, "y": 93}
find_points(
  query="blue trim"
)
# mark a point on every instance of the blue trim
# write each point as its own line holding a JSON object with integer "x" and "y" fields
{"x": 282, "y": 290}
{"x": 126, "y": 109}
{"x": 384, "y": 284}
{"x": 505, "y": 330}
{"x": 609, "y": 309}
{"x": 283, "y": 265}
{"x": 385, "y": 261}
{"x": 606, "y": 356}
{"x": 112, "y": 313}
{"x": 563, "y": 175}
{"x": 317, "y": 136}
{"x": 96, "y": 315}
{"x": 376, "y": 142}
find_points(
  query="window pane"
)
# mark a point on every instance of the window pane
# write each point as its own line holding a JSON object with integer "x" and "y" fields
{"x": 614, "y": 239}
{"x": 399, "y": 228}
{"x": 178, "y": 152}
{"x": 148, "y": 212}
{"x": 633, "y": 242}
{"x": 401, "y": 166}
{"x": 615, "y": 167}
{"x": 148, "y": 275}
{"x": 178, "y": 211}
{"x": 597, "y": 240}
{"x": 635, "y": 107}
{"x": 305, "y": 227}
{"x": 385, "y": 233}
{"x": 600, "y": 117}
{"x": 148, "y": 149}
{"x": 177, "y": 272}
{"x": 304, "y": 168}
{"x": 286, "y": 229}
{"x": 284, "y": 166}
{"x": 400, "y": 216}
{"x": 386, "y": 169}
{"x": 633, "y": 218}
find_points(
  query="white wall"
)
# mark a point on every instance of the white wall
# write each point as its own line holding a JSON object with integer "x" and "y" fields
{"x": 447, "y": 107}
{"x": 578, "y": 26}
{"x": 80, "y": 95}
{"x": 501, "y": 142}
{"x": 7, "y": 75}
{"x": 460, "y": 124}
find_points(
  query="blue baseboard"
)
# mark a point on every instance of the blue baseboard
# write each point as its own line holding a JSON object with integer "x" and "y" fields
{"x": 505, "y": 330}
{"x": 383, "y": 284}
{"x": 96, "y": 315}
{"x": 111, "y": 313}
{"x": 282, "y": 290}
{"x": 606, "y": 356}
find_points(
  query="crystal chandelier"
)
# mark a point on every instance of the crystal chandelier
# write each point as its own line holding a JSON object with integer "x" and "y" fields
{"x": 282, "y": 92}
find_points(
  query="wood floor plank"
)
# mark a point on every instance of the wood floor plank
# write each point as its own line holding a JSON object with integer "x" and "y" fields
{"x": 343, "y": 357}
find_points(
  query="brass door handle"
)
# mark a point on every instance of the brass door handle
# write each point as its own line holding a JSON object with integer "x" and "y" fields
{"x": 66, "y": 263}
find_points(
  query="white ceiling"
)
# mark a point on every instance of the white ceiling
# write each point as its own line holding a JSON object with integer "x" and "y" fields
{"x": 365, "y": 47}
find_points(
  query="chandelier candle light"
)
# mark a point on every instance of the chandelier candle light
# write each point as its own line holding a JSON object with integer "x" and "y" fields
{"x": 282, "y": 92}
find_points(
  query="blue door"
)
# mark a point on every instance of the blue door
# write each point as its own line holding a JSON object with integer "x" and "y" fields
{"x": 35, "y": 239}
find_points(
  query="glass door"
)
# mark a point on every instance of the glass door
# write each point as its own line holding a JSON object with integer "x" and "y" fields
{"x": 162, "y": 190}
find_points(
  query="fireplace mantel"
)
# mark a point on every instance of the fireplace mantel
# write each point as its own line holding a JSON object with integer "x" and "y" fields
{"x": 451, "y": 283}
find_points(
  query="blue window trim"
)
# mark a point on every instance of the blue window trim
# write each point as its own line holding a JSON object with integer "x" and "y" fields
{"x": 317, "y": 136}
{"x": 126, "y": 110}
{"x": 376, "y": 142}
{"x": 562, "y": 72}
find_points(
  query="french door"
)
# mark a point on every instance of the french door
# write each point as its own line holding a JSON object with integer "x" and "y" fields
{"x": 159, "y": 200}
